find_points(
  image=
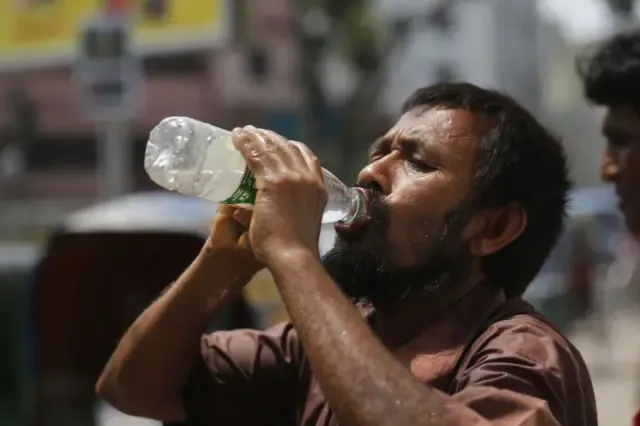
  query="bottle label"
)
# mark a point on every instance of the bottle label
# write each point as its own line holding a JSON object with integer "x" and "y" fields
{"x": 246, "y": 192}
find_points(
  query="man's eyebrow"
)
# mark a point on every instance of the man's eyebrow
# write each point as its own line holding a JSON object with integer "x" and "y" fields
{"x": 410, "y": 142}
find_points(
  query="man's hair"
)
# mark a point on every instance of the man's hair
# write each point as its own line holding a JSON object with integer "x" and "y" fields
{"x": 611, "y": 72}
{"x": 519, "y": 161}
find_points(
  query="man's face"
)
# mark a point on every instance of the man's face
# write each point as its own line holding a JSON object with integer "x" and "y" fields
{"x": 417, "y": 182}
{"x": 621, "y": 161}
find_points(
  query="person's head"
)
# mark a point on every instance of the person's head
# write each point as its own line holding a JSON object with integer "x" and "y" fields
{"x": 611, "y": 77}
{"x": 466, "y": 183}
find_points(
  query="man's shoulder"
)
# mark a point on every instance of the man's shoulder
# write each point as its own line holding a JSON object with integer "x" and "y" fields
{"x": 517, "y": 329}
{"x": 519, "y": 356}
{"x": 517, "y": 317}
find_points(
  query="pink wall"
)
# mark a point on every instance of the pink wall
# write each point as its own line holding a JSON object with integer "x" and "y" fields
{"x": 60, "y": 112}
{"x": 228, "y": 84}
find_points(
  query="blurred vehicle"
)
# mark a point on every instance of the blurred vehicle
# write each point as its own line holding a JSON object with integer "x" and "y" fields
{"x": 99, "y": 271}
{"x": 576, "y": 280}
{"x": 17, "y": 261}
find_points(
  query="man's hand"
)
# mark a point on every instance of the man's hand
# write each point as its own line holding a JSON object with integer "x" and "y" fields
{"x": 291, "y": 194}
{"x": 229, "y": 238}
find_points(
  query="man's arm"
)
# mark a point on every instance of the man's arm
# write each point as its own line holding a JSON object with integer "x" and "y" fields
{"x": 152, "y": 362}
{"x": 362, "y": 381}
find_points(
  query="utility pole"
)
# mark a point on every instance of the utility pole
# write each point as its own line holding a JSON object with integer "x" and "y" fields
{"x": 109, "y": 72}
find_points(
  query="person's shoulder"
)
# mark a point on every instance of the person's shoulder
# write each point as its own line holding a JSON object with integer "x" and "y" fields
{"x": 523, "y": 327}
{"x": 518, "y": 330}
{"x": 519, "y": 357}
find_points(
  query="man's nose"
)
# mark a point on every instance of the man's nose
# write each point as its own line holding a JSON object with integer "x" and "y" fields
{"x": 378, "y": 173}
{"x": 609, "y": 168}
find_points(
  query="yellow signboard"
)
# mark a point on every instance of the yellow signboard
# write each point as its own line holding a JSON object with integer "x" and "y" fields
{"x": 42, "y": 32}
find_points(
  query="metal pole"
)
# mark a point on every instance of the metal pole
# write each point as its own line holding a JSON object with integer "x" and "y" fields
{"x": 114, "y": 159}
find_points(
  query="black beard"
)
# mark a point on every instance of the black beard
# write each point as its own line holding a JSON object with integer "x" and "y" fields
{"x": 371, "y": 277}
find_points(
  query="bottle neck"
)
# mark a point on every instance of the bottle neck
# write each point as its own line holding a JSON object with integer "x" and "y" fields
{"x": 356, "y": 204}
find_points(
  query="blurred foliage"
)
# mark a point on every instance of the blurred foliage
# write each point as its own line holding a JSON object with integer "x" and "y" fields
{"x": 351, "y": 31}
{"x": 362, "y": 42}
{"x": 358, "y": 32}
{"x": 348, "y": 29}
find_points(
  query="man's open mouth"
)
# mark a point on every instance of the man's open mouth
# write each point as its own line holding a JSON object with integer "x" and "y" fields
{"x": 354, "y": 229}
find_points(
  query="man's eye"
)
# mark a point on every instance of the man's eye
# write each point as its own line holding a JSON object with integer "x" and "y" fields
{"x": 420, "y": 165}
{"x": 375, "y": 157}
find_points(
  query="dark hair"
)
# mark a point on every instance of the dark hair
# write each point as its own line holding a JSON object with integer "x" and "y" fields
{"x": 519, "y": 161}
{"x": 611, "y": 73}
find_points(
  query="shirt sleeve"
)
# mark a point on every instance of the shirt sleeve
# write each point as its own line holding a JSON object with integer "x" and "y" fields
{"x": 526, "y": 375}
{"x": 244, "y": 377}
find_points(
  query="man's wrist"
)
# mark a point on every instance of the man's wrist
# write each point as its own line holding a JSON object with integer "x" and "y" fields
{"x": 287, "y": 257}
{"x": 227, "y": 265}
{"x": 211, "y": 281}
{"x": 237, "y": 259}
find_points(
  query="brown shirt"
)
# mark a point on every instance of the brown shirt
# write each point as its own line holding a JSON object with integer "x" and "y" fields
{"x": 500, "y": 362}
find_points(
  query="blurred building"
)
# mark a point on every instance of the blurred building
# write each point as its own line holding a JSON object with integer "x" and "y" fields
{"x": 492, "y": 43}
{"x": 49, "y": 156}
{"x": 565, "y": 108}
{"x": 502, "y": 44}
{"x": 53, "y": 150}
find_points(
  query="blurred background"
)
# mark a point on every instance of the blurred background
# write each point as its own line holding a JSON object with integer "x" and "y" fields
{"x": 87, "y": 241}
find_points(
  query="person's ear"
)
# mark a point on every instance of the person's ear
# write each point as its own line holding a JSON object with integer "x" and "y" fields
{"x": 491, "y": 230}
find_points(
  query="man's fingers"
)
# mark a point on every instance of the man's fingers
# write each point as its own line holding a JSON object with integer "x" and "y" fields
{"x": 268, "y": 153}
{"x": 225, "y": 210}
{"x": 309, "y": 157}
{"x": 253, "y": 149}
{"x": 273, "y": 135}
{"x": 243, "y": 217}
{"x": 278, "y": 146}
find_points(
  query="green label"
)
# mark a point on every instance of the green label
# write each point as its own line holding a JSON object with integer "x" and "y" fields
{"x": 246, "y": 192}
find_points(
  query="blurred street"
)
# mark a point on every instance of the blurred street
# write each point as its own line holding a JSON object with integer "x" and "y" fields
{"x": 614, "y": 366}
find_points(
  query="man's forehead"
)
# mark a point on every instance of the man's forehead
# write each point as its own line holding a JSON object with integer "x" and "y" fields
{"x": 442, "y": 123}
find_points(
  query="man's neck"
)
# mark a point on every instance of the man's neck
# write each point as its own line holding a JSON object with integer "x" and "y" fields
{"x": 403, "y": 322}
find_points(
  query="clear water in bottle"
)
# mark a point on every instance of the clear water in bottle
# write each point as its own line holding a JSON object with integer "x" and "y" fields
{"x": 198, "y": 159}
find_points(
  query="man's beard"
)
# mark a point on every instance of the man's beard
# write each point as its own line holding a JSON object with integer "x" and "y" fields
{"x": 370, "y": 276}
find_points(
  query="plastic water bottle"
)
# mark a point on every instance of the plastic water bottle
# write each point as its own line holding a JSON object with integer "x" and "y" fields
{"x": 195, "y": 158}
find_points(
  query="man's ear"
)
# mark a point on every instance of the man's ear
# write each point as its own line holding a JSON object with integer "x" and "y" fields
{"x": 491, "y": 230}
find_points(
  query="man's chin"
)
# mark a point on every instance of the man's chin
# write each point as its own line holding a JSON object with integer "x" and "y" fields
{"x": 351, "y": 268}
{"x": 364, "y": 252}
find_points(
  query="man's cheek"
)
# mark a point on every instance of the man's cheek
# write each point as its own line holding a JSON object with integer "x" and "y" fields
{"x": 407, "y": 246}
{"x": 398, "y": 247}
